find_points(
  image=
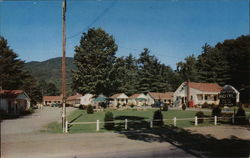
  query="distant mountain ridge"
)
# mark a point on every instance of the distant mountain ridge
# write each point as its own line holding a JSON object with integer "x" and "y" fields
{"x": 50, "y": 70}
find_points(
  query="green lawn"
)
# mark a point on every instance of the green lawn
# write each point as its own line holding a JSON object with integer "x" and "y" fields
{"x": 131, "y": 115}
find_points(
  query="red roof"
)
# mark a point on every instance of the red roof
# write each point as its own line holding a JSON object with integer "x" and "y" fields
{"x": 166, "y": 95}
{"x": 15, "y": 92}
{"x": 205, "y": 87}
{"x": 115, "y": 95}
{"x": 74, "y": 97}
{"x": 134, "y": 96}
{"x": 11, "y": 93}
{"x": 52, "y": 98}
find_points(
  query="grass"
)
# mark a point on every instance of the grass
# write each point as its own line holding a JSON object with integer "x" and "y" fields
{"x": 131, "y": 115}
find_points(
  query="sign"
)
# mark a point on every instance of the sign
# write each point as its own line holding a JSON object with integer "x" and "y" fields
{"x": 228, "y": 96}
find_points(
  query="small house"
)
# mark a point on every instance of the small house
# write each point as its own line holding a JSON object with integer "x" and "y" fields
{"x": 119, "y": 99}
{"x": 50, "y": 100}
{"x": 197, "y": 93}
{"x": 74, "y": 100}
{"x": 154, "y": 97}
{"x": 14, "y": 101}
{"x": 137, "y": 99}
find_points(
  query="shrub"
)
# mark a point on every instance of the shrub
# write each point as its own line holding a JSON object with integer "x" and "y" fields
{"x": 158, "y": 118}
{"x": 183, "y": 107}
{"x": 81, "y": 107}
{"x": 109, "y": 117}
{"x": 240, "y": 116}
{"x": 205, "y": 105}
{"x": 132, "y": 105}
{"x": 216, "y": 111}
{"x": 90, "y": 109}
{"x": 165, "y": 107}
{"x": 28, "y": 111}
{"x": 200, "y": 116}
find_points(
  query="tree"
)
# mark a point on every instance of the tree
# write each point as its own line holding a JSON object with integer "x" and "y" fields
{"x": 152, "y": 75}
{"x": 11, "y": 68}
{"x": 13, "y": 76}
{"x": 126, "y": 75}
{"x": 31, "y": 87}
{"x": 236, "y": 52}
{"x": 212, "y": 66}
{"x": 94, "y": 58}
{"x": 188, "y": 70}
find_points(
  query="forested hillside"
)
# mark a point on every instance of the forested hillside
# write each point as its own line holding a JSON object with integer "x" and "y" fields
{"x": 50, "y": 70}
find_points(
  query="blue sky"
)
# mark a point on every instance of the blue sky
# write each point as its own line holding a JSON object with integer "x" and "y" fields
{"x": 171, "y": 29}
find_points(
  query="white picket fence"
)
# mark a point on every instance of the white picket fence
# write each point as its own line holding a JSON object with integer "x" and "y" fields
{"x": 195, "y": 119}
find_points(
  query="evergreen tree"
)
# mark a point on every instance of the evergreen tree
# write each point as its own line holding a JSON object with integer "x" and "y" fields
{"x": 152, "y": 75}
{"x": 188, "y": 70}
{"x": 11, "y": 68}
{"x": 94, "y": 59}
{"x": 125, "y": 70}
{"x": 213, "y": 66}
{"x": 13, "y": 76}
{"x": 237, "y": 54}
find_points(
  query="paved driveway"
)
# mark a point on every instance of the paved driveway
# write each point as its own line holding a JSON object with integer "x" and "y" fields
{"x": 32, "y": 123}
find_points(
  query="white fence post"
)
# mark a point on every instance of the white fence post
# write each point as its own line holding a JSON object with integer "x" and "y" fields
{"x": 66, "y": 128}
{"x": 151, "y": 123}
{"x": 126, "y": 124}
{"x": 233, "y": 119}
{"x": 97, "y": 125}
{"x": 174, "y": 121}
{"x": 215, "y": 120}
{"x": 196, "y": 121}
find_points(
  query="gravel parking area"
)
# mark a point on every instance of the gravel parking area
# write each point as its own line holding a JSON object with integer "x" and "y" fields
{"x": 33, "y": 122}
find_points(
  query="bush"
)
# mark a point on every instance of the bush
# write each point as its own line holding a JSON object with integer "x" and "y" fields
{"x": 240, "y": 116}
{"x": 200, "y": 116}
{"x": 81, "y": 107}
{"x": 132, "y": 105}
{"x": 205, "y": 105}
{"x": 165, "y": 107}
{"x": 183, "y": 107}
{"x": 109, "y": 117}
{"x": 216, "y": 111}
{"x": 158, "y": 118}
{"x": 90, "y": 109}
{"x": 28, "y": 111}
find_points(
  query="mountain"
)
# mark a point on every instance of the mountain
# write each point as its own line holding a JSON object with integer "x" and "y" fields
{"x": 50, "y": 70}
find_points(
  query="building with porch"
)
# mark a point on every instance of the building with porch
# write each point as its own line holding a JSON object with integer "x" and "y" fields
{"x": 74, "y": 100}
{"x": 119, "y": 99}
{"x": 50, "y": 100}
{"x": 14, "y": 101}
{"x": 137, "y": 99}
{"x": 197, "y": 93}
{"x": 154, "y": 97}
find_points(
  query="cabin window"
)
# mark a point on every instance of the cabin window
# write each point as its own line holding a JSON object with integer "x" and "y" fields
{"x": 165, "y": 100}
{"x": 191, "y": 97}
{"x": 205, "y": 97}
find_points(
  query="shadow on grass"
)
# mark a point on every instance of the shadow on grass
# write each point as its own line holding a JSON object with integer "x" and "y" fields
{"x": 123, "y": 117}
{"x": 197, "y": 144}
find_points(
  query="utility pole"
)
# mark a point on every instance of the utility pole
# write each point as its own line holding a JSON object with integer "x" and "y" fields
{"x": 63, "y": 79}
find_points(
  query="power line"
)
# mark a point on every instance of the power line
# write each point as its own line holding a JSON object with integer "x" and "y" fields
{"x": 95, "y": 20}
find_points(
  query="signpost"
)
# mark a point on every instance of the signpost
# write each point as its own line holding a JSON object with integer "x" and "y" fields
{"x": 228, "y": 97}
